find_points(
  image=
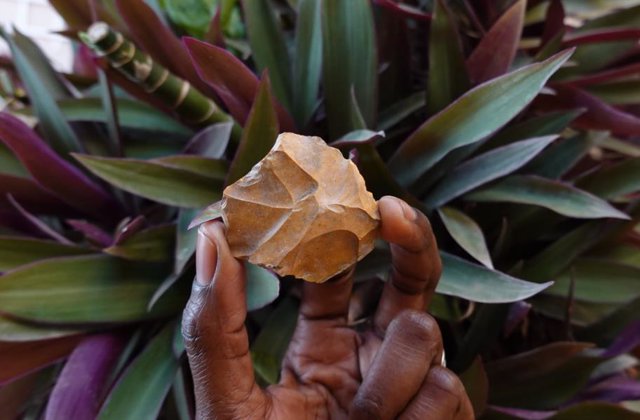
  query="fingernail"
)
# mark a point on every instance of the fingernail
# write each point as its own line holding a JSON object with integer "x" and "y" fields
{"x": 408, "y": 211}
{"x": 206, "y": 258}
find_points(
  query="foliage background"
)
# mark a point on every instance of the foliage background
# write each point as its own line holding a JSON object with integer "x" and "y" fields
{"x": 513, "y": 124}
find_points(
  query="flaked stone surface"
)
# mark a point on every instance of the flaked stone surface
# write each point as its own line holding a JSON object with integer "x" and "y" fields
{"x": 303, "y": 210}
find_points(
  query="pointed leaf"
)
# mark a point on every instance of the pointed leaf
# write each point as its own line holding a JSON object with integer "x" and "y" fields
{"x": 17, "y": 331}
{"x": 599, "y": 281}
{"x": 185, "y": 239}
{"x": 211, "y": 141}
{"x": 259, "y": 134}
{"x": 497, "y": 48}
{"x": 401, "y": 110}
{"x": 83, "y": 290}
{"x": 542, "y": 378}
{"x": 478, "y": 284}
{"x": 613, "y": 181}
{"x": 155, "y": 181}
{"x": 131, "y": 114}
{"x": 349, "y": 61}
{"x": 32, "y": 195}
{"x": 554, "y": 195}
{"x": 486, "y": 167}
{"x": 599, "y": 115}
{"x": 153, "y": 244}
{"x": 263, "y": 287}
{"x": 268, "y": 46}
{"x": 142, "y": 388}
{"x": 19, "y": 250}
{"x": 466, "y": 232}
{"x": 215, "y": 169}
{"x": 447, "y": 73}
{"x": 19, "y": 359}
{"x": 42, "y": 86}
{"x": 81, "y": 383}
{"x": 159, "y": 41}
{"x": 307, "y": 60}
{"x": 53, "y": 173}
{"x": 232, "y": 81}
{"x": 558, "y": 159}
{"x": 472, "y": 117}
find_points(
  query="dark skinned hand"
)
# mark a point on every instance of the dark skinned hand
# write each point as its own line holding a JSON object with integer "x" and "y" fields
{"x": 330, "y": 371}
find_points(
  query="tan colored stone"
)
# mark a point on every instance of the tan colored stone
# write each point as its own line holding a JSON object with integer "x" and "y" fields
{"x": 303, "y": 210}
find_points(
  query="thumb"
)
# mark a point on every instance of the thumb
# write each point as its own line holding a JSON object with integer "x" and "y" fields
{"x": 215, "y": 337}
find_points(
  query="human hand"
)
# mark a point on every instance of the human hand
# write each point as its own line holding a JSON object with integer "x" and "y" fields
{"x": 390, "y": 370}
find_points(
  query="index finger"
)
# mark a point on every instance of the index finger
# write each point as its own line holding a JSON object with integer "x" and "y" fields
{"x": 415, "y": 261}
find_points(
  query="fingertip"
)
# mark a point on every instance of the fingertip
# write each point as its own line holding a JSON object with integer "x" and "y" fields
{"x": 206, "y": 255}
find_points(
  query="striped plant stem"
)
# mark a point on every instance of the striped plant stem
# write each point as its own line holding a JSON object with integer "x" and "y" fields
{"x": 189, "y": 104}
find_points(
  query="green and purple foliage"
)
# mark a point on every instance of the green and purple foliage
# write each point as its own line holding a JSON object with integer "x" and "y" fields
{"x": 513, "y": 124}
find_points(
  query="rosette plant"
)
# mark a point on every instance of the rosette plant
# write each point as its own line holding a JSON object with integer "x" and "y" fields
{"x": 513, "y": 124}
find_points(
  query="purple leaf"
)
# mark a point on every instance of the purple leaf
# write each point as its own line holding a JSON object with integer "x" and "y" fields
{"x": 599, "y": 115}
{"x": 159, "y": 41}
{"x": 54, "y": 173}
{"x": 32, "y": 195}
{"x": 405, "y": 10}
{"x": 497, "y": 49}
{"x": 92, "y": 232}
{"x": 38, "y": 224}
{"x": 601, "y": 35}
{"x": 211, "y": 141}
{"x": 518, "y": 312}
{"x": 524, "y": 414}
{"x": 79, "y": 389}
{"x": 613, "y": 389}
{"x": 554, "y": 22}
{"x": 604, "y": 76}
{"x": 626, "y": 341}
{"x": 128, "y": 229}
{"x": 231, "y": 79}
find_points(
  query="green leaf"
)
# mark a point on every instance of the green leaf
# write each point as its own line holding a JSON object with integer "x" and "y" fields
{"x": 556, "y": 196}
{"x": 542, "y": 378}
{"x": 185, "y": 239}
{"x": 142, "y": 388}
{"x": 269, "y": 347}
{"x": 259, "y": 133}
{"x": 268, "y": 46}
{"x": 543, "y": 125}
{"x": 155, "y": 181}
{"x": 401, "y": 110}
{"x": 263, "y": 287}
{"x": 618, "y": 93}
{"x": 19, "y": 250}
{"x": 472, "y": 117}
{"x": 84, "y": 290}
{"x": 599, "y": 281}
{"x": 307, "y": 60}
{"x": 153, "y": 244}
{"x": 447, "y": 71}
{"x": 14, "y": 331}
{"x": 613, "y": 181}
{"x": 478, "y": 284}
{"x": 466, "y": 232}
{"x": 194, "y": 16}
{"x": 349, "y": 61}
{"x": 44, "y": 88}
{"x": 10, "y": 164}
{"x": 211, "y": 168}
{"x": 561, "y": 157}
{"x": 484, "y": 168}
{"x": 131, "y": 114}
{"x": 552, "y": 260}
{"x": 605, "y": 330}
